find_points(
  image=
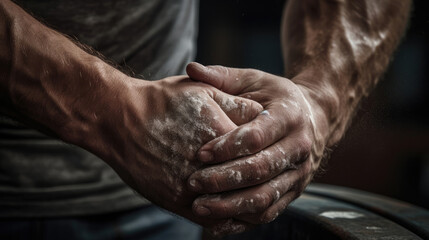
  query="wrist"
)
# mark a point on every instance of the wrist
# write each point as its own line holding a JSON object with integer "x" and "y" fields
{"x": 319, "y": 123}
{"x": 96, "y": 96}
{"x": 325, "y": 102}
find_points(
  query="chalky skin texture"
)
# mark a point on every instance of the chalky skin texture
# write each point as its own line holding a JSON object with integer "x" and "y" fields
{"x": 250, "y": 166}
{"x": 334, "y": 52}
{"x": 184, "y": 116}
{"x": 148, "y": 132}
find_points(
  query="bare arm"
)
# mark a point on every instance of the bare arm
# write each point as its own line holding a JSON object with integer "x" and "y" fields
{"x": 147, "y": 131}
{"x": 44, "y": 74}
{"x": 338, "y": 50}
{"x": 334, "y": 52}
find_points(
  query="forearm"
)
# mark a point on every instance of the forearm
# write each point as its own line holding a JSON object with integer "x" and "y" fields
{"x": 338, "y": 50}
{"x": 48, "y": 81}
{"x": 334, "y": 53}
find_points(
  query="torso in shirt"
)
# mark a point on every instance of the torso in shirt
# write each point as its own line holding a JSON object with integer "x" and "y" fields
{"x": 41, "y": 176}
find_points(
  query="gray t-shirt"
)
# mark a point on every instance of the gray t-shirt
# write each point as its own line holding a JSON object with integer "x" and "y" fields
{"x": 41, "y": 176}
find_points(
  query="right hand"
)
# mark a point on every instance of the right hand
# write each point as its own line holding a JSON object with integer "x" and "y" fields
{"x": 152, "y": 133}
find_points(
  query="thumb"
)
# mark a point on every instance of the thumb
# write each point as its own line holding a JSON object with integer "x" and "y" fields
{"x": 229, "y": 80}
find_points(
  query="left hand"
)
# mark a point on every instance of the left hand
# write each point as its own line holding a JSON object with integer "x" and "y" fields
{"x": 264, "y": 164}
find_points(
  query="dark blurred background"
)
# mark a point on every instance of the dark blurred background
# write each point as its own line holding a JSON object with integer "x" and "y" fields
{"x": 386, "y": 149}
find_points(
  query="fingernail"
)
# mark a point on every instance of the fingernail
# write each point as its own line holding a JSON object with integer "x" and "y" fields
{"x": 203, "y": 211}
{"x": 206, "y": 156}
{"x": 195, "y": 185}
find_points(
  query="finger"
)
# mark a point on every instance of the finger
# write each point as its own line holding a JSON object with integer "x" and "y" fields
{"x": 254, "y": 169}
{"x": 252, "y": 200}
{"x": 203, "y": 116}
{"x": 272, "y": 212}
{"x": 300, "y": 179}
{"x": 229, "y": 80}
{"x": 219, "y": 121}
{"x": 239, "y": 110}
{"x": 267, "y": 128}
{"x": 251, "y": 170}
{"x": 247, "y": 139}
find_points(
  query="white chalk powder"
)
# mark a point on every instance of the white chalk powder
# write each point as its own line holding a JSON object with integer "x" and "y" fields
{"x": 241, "y": 134}
{"x": 176, "y": 136}
{"x": 228, "y": 104}
{"x": 277, "y": 195}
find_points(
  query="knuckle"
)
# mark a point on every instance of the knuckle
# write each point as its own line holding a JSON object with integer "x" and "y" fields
{"x": 244, "y": 108}
{"x": 262, "y": 201}
{"x": 256, "y": 139}
{"x": 222, "y": 70}
{"x": 249, "y": 109}
{"x": 268, "y": 217}
{"x": 254, "y": 73}
{"x": 256, "y": 107}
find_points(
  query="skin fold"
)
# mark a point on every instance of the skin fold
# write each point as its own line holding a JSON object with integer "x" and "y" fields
{"x": 241, "y": 143}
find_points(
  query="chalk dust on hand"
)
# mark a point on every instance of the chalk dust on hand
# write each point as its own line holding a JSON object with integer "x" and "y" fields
{"x": 175, "y": 137}
{"x": 228, "y": 104}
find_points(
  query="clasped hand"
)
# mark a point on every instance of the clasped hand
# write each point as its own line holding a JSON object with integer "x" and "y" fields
{"x": 226, "y": 156}
{"x": 254, "y": 171}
